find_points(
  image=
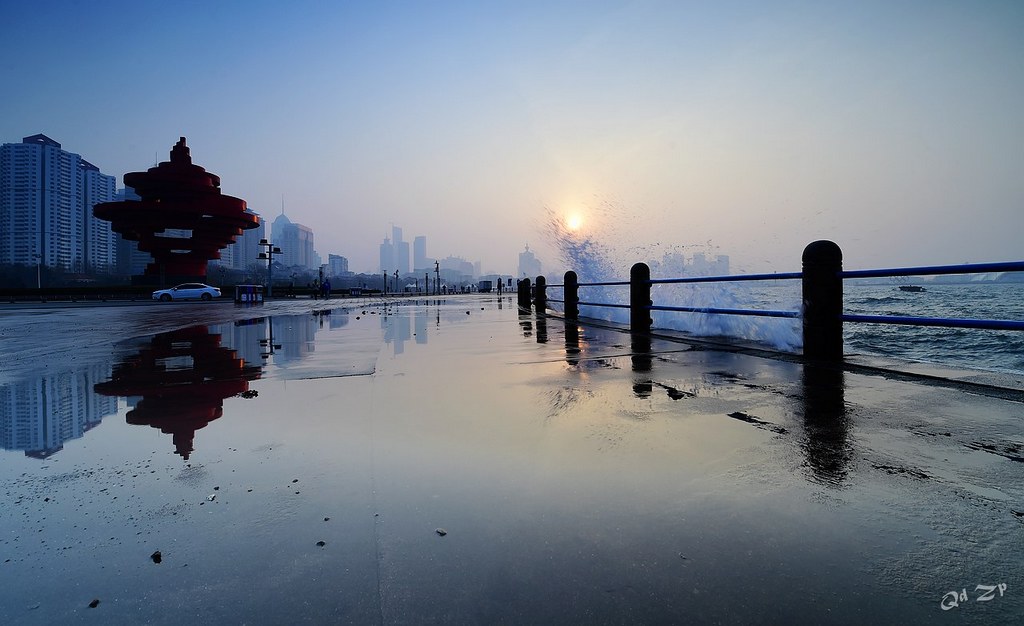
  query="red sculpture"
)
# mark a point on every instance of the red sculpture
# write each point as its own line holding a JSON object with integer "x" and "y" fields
{"x": 178, "y": 195}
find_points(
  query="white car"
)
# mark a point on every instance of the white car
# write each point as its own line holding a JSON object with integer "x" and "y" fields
{"x": 187, "y": 291}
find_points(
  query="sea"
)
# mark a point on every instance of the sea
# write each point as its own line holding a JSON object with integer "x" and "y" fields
{"x": 990, "y": 350}
{"x": 985, "y": 350}
{"x": 602, "y": 256}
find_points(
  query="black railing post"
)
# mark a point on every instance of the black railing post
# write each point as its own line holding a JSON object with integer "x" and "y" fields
{"x": 640, "y": 298}
{"x": 572, "y": 295}
{"x": 523, "y": 295}
{"x": 823, "y": 301}
{"x": 540, "y": 299}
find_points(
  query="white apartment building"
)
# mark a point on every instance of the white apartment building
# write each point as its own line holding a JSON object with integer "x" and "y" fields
{"x": 46, "y": 200}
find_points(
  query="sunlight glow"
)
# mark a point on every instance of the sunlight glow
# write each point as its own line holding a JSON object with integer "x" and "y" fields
{"x": 574, "y": 222}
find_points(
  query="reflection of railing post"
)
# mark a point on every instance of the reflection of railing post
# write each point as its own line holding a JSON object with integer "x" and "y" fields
{"x": 540, "y": 299}
{"x": 823, "y": 300}
{"x": 640, "y": 298}
{"x": 572, "y": 295}
{"x": 523, "y": 296}
{"x": 572, "y": 342}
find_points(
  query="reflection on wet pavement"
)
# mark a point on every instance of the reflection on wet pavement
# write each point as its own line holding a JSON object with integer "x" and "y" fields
{"x": 176, "y": 381}
{"x": 181, "y": 380}
{"x": 579, "y": 474}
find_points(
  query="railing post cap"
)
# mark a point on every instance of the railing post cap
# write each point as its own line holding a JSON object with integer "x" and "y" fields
{"x": 822, "y": 252}
{"x": 641, "y": 269}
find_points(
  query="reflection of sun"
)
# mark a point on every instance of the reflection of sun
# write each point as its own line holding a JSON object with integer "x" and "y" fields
{"x": 574, "y": 222}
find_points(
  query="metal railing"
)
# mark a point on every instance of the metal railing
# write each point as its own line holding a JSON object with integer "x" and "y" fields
{"x": 822, "y": 295}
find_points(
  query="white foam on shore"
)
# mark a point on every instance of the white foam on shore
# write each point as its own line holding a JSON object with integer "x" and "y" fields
{"x": 595, "y": 258}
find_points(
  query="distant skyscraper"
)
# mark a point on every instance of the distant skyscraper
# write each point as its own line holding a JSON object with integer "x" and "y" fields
{"x": 529, "y": 266}
{"x": 394, "y": 253}
{"x": 295, "y": 241}
{"x": 245, "y": 250}
{"x": 46, "y": 200}
{"x": 387, "y": 256}
{"x": 337, "y": 265}
{"x": 401, "y": 248}
{"x": 420, "y": 262}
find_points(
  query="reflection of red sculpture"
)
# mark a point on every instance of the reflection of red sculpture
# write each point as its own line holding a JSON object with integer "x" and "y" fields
{"x": 178, "y": 195}
{"x": 183, "y": 378}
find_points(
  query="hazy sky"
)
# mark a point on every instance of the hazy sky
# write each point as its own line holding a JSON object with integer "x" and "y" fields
{"x": 894, "y": 128}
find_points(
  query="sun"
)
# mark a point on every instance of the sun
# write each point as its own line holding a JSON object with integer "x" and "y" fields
{"x": 574, "y": 222}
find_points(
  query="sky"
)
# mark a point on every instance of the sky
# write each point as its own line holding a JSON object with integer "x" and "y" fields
{"x": 750, "y": 129}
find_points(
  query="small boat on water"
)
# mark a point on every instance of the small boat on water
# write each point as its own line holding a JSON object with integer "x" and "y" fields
{"x": 914, "y": 288}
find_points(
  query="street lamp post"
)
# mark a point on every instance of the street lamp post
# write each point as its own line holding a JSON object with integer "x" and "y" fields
{"x": 271, "y": 250}
{"x": 437, "y": 278}
{"x": 39, "y": 266}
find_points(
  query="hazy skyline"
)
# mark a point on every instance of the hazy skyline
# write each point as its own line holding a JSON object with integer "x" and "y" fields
{"x": 893, "y": 128}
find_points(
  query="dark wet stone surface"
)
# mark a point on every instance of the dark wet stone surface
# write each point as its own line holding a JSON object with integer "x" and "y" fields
{"x": 590, "y": 482}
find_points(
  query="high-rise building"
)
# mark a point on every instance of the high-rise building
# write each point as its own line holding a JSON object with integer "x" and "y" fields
{"x": 529, "y": 266}
{"x": 245, "y": 250}
{"x": 337, "y": 265}
{"x": 46, "y": 200}
{"x": 99, "y": 245}
{"x": 387, "y": 256}
{"x": 296, "y": 243}
{"x": 420, "y": 261}
{"x": 249, "y": 245}
{"x": 394, "y": 253}
{"x": 401, "y": 248}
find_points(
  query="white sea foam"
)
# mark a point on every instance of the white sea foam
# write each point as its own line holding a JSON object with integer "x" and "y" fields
{"x": 594, "y": 254}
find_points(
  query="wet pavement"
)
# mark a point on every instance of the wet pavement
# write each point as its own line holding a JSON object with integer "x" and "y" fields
{"x": 453, "y": 460}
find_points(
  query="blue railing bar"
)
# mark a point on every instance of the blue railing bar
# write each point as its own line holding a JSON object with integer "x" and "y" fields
{"x": 554, "y": 300}
{"x": 618, "y": 283}
{"x": 755, "y": 312}
{"x": 614, "y": 306}
{"x": 969, "y": 268}
{"x": 723, "y": 279}
{"x": 558, "y": 285}
{"x": 975, "y": 268}
{"x": 909, "y": 320}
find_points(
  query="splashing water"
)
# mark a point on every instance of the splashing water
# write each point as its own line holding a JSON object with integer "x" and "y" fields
{"x": 593, "y": 256}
